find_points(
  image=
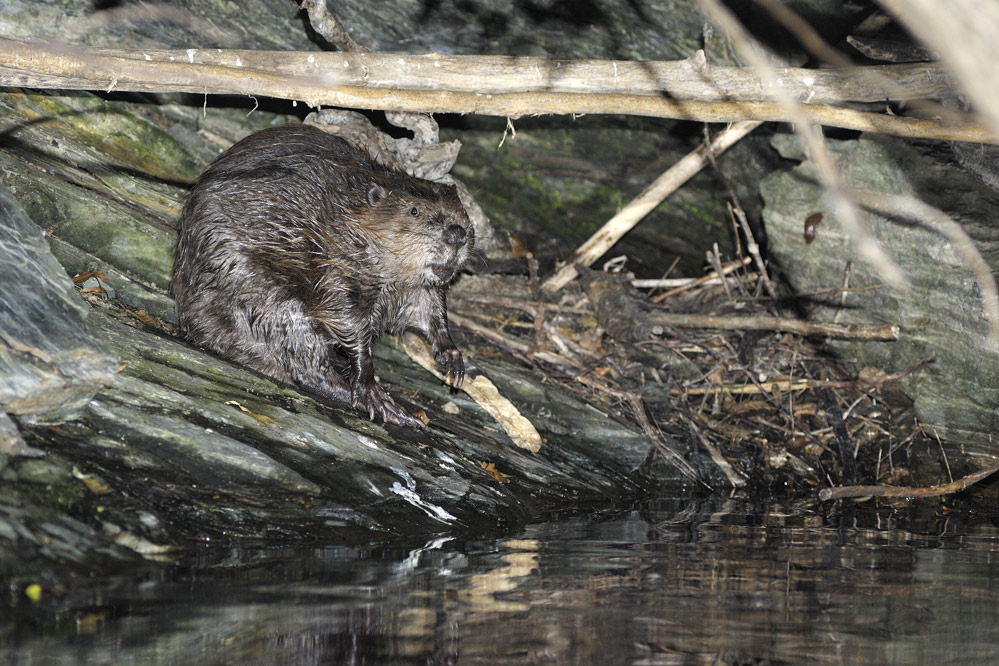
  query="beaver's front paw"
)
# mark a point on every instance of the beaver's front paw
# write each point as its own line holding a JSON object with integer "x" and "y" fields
{"x": 450, "y": 362}
{"x": 373, "y": 399}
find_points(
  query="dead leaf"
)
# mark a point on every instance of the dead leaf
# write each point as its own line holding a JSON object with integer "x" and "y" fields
{"x": 144, "y": 316}
{"x": 262, "y": 418}
{"x": 517, "y": 248}
{"x": 490, "y": 468}
{"x": 80, "y": 278}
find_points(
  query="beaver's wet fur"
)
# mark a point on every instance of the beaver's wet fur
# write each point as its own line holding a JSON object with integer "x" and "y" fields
{"x": 296, "y": 250}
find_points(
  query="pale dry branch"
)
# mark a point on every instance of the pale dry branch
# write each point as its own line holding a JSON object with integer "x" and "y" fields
{"x": 670, "y": 181}
{"x": 901, "y": 491}
{"x": 461, "y": 84}
{"x": 482, "y": 390}
{"x": 689, "y": 79}
{"x": 766, "y": 323}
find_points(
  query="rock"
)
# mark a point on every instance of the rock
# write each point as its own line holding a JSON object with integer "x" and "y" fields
{"x": 940, "y": 316}
{"x": 51, "y": 362}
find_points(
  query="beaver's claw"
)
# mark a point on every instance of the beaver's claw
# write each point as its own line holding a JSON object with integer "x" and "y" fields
{"x": 373, "y": 399}
{"x": 450, "y": 361}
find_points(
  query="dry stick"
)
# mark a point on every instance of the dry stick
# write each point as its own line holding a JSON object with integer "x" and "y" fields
{"x": 689, "y": 79}
{"x": 72, "y": 68}
{"x": 513, "y": 345}
{"x": 329, "y": 27}
{"x": 713, "y": 257}
{"x": 864, "y": 243}
{"x": 523, "y": 305}
{"x": 767, "y": 386}
{"x": 765, "y": 323}
{"x": 645, "y": 202}
{"x": 754, "y": 248}
{"x": 683, "y": 284}
{"x": 481, "y": 389}
{"x": 638, "y": 407}
{"x": 740, "y": 323}
{"x": 901, "y": 491}
{"x": 718, "y": 459}
{"x": 690, "y": 283}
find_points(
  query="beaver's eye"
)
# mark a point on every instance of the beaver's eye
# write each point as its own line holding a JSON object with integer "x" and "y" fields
{"x": 414, "y": 211}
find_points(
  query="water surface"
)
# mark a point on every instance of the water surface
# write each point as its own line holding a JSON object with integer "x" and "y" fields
{"x": 685, "y": 582}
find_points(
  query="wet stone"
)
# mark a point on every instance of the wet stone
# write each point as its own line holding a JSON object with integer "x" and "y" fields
{"x": 51, "y": 362}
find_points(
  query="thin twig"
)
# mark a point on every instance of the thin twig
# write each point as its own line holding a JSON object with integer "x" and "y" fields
{"x": 788, "y": 384}
{"x": 718, "y": 459}
{"x": 843, "y": 492}
{"x": 690, "y": 283}
{"x": 766, "y": 323}
{"x": 768, "y": 386}
{"x": 753, "y": 247}
{"x": 513, "y": 345}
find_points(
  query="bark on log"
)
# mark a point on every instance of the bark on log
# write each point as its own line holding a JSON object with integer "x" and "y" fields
{"x": 38, "y": 66}
{"x": 689, "y": 79}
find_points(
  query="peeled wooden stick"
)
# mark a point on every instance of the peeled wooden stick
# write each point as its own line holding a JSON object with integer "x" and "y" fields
{"x": 644, "y": 203}
{"x": 484, "y": 392}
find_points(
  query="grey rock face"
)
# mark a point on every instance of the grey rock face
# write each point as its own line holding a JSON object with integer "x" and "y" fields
{"x": 940, "y": 316}
{"x": 51, "y": 363}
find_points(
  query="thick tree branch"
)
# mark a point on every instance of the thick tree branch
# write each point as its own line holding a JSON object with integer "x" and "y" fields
{"x": 499, "y": 86}
{"x": 690, "y": 79}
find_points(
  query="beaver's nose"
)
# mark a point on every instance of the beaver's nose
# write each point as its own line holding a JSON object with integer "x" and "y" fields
{"x": 454, "y": 236}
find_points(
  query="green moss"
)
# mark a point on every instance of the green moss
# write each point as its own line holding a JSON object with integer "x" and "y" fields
{"x": 111, "y": 128}
{"x": 99, "y": 226}
{"x": 47, "y": 481}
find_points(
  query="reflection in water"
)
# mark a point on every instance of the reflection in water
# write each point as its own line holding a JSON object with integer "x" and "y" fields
{"x": 687, "y": 583}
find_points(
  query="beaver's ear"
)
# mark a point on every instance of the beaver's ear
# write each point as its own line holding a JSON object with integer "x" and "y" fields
{"x": 375, "y": 194}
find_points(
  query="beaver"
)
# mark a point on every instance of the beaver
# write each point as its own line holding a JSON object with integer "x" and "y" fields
{"x": 296, "y": 249}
